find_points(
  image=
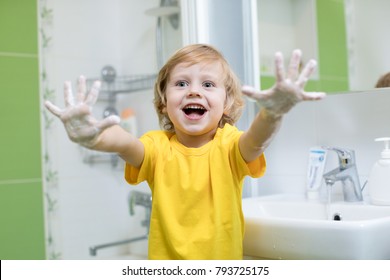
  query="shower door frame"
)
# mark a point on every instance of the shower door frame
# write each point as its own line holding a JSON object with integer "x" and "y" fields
{"x": 210, "y": 22}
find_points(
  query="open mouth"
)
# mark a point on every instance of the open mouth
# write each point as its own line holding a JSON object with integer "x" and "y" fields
{"x": 194, "y": 110}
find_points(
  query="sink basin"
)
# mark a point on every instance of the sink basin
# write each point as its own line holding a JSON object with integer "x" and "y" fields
{"x": 292, "y": 227}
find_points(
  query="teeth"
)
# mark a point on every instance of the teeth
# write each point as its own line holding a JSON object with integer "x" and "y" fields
{"x": 194, "y": 107}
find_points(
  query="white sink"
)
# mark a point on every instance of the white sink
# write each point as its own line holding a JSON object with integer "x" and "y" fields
{"x": 291, "y": 227}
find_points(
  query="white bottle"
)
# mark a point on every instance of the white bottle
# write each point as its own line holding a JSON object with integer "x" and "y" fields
{"x": 379, "y": 180}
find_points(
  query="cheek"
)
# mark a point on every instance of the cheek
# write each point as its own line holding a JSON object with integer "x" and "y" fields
{"x": 168, "y": 103}
{"x": 170, "y": 106}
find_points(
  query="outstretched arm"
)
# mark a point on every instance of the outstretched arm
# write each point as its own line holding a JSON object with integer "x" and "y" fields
{"x": 276, "y": 102}
{"x": 82, "y": 128}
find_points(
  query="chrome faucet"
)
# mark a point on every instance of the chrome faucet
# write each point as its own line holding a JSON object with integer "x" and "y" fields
{"x": 135, "y": 198}
{"x": 347, "y": 173}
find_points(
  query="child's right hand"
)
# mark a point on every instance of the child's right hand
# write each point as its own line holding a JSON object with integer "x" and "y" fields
{"x": 77, "y": 118}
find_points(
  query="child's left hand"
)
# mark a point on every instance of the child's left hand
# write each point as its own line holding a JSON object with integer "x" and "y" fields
{"x": 288, "y": 89}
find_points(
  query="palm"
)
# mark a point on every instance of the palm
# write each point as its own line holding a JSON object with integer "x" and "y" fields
{"x": 77, "y": 117}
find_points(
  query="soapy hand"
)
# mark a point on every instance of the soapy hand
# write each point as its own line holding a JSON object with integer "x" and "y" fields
{"x": 288, "y": 89}
{"x": 77, "y": 117}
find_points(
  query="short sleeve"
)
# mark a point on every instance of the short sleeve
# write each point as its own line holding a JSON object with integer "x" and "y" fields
{"x": 135, "y": 175}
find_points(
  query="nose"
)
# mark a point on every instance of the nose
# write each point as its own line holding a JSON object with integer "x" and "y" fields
{"x": 193, "y": 93}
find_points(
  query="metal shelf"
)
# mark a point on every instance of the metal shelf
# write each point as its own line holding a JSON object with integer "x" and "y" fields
{"x": 125, "y": 84}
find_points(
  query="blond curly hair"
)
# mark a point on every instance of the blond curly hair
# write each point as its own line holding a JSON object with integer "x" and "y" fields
{"x": 193, "y": 54}
{"x": 384, "y": 81}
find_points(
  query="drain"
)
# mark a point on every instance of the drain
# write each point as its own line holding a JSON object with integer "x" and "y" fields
{"x": 337, "y": 217}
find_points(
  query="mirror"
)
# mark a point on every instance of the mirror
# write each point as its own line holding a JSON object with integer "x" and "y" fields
{"x": 346, "y": 37}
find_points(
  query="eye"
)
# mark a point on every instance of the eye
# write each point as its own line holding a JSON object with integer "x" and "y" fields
{"x": 181, "y": 84}
{"x": 208, "y": 84}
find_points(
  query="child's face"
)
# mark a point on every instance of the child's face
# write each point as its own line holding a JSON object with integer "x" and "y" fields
{"x": 195, "y": 99}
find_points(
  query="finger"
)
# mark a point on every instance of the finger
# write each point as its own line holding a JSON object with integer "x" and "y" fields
{"x": 81, "y": 89}
{"x": 308, "y": 96}
{"x": 107, "y": 122}
{"x": 52, "y": 108}
{"x": 306, "y": 73}
{"x": 68, "y": 95}
{"x": 293, "y": 68}
{"x": 93, "y": 93}
{"x": 254, "y": 94}
{"x": 279, "y": 67}
{"x": 249, "y": 91}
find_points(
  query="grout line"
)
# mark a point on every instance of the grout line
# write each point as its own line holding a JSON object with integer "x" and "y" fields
{"x": 10, "y": 54}
{"x": 20, "y": 181}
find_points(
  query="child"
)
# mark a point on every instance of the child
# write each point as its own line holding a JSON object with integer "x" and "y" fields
{"x": 195, "y": 167}
{"x": 383, "y": 81}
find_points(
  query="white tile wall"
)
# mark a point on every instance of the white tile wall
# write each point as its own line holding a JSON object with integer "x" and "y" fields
{"x": 351, "y": 120}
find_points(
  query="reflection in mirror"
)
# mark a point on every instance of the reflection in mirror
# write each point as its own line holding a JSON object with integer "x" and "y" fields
{"x": 369, "y": 54}
{"x": 284, "y": 25}
{"x": 344, "y": 36}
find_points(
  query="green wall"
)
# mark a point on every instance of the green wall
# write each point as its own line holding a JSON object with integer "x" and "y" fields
{"x": 332, "y": 48}
{"x": 21, "y": 198}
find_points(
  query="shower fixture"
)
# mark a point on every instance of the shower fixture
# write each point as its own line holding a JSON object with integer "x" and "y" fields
{"x": 112, "y": 85}
{"x": 136, "y": 198}
{"x": 168, "y": 8}
{"x": 108, "y": 74}
{"x": 171, "y": 10}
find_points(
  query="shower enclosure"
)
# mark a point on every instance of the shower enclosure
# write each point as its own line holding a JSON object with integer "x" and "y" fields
{"x": 86, "y": 199}
{"x": 167, "y": 40}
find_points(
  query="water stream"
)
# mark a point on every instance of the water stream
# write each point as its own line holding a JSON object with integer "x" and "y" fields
{"x": 329, "y": 201}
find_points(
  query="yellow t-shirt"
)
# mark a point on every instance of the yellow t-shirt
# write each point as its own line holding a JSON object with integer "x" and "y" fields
{"x": 196, "y": 206}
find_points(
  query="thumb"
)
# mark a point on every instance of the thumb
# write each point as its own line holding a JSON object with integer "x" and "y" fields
{"x": 255, "y": 94}
{"x": 308, "y": 96}
{"x": 107, "y": 122}
{"x": 53, "y": 108}
{"x": 249, "y": 91}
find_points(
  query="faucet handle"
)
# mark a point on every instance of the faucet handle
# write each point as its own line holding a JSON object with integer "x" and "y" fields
{"x": 346, "y": 156}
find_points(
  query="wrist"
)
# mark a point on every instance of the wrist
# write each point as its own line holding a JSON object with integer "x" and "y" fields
{"x": 269, "y": 115}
